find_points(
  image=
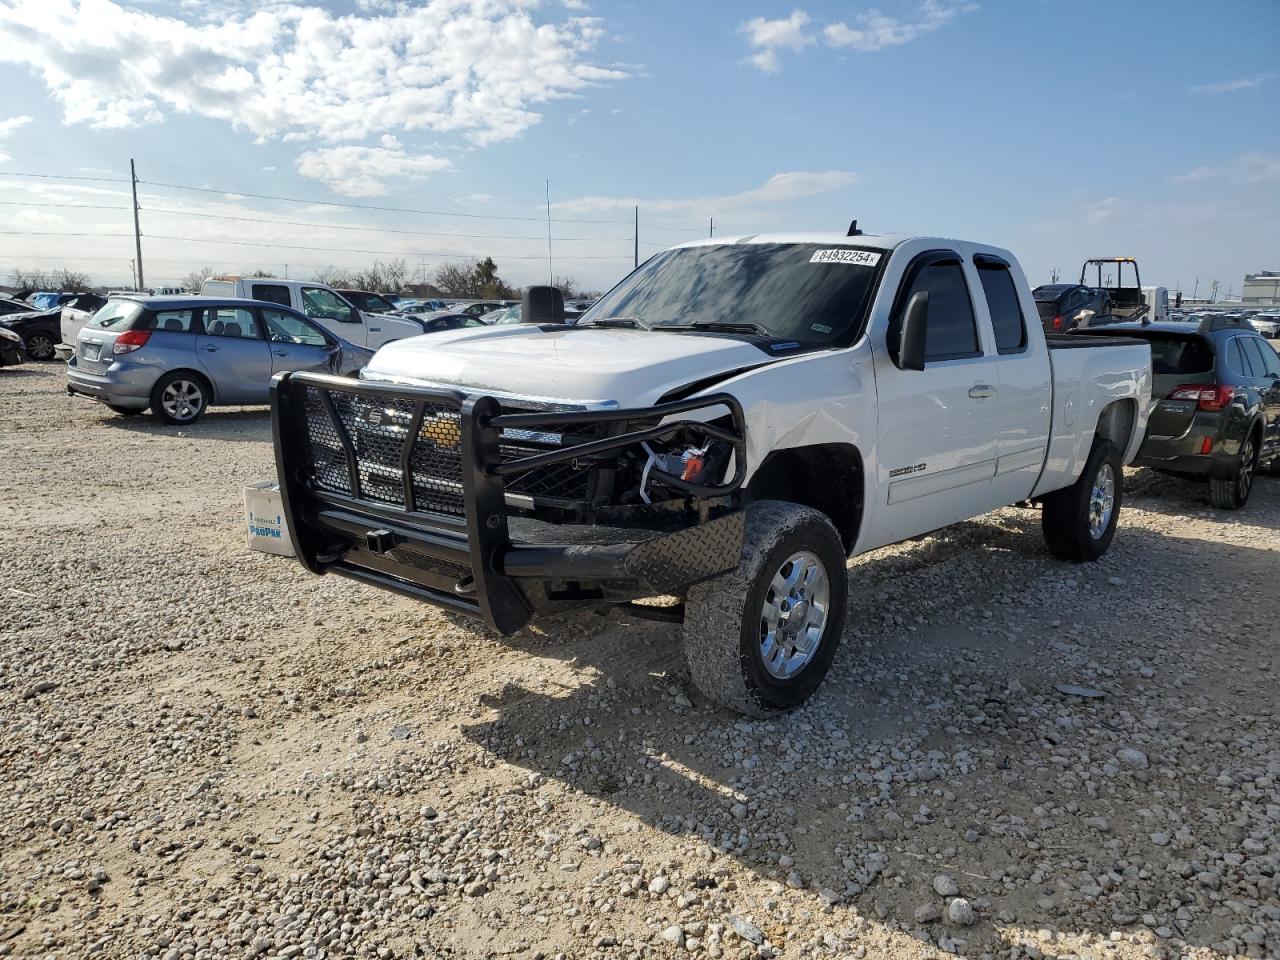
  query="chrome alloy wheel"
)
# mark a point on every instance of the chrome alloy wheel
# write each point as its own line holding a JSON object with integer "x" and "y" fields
{"x": 1244, "y": 479}
{"x": 794, "y": 615}
{"x": 1102, "y": 500}
{"x": 182, "y": 399}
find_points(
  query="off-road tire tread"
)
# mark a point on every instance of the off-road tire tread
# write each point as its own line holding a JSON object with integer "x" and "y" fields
{"x": 713, "y": 620}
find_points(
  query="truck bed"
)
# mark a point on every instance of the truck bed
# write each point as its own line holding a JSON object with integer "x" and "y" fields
{"x": 1072, "y": 341}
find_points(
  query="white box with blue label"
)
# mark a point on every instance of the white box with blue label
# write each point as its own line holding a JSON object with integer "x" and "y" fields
{"x": 265, "y": 527}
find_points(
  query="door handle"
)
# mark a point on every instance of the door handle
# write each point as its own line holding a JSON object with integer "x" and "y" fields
{"x": 980, "y": 391}
{"x": 281, "y": 353}
{"x": 375, "y": 329}
{"x": 210, "y": 347}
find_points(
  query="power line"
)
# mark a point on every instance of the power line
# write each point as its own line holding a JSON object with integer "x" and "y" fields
{"x": 56, "y": 176}
{"x": 288, "y": 246}
{"x": 367, "y": 206}
{"x": 64, "y": 206}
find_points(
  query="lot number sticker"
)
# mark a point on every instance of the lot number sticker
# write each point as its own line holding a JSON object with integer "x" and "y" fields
{"x": 858, "y": 258}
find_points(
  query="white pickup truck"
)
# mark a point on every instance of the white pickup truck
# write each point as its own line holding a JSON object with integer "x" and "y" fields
{"x": 725, "y": 426}
{"x": 322, "y": 304}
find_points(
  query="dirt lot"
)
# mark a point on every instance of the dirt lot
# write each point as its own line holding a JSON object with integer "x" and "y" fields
{"x": 207, "y": 752}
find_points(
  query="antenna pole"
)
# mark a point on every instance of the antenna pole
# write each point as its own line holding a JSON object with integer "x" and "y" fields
{"x": 137, "y": 229}
{"x": 713, "y": 227}
{"x": 551, "y": 277}
{"x": 635, "y": 256}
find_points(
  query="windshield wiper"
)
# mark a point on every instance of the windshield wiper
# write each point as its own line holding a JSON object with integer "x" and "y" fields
{"x": 631, "y": 323}
{"x": 722, "y": 326}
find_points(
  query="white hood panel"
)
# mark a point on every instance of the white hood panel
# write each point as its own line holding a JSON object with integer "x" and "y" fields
{"x": 580, "y": 366}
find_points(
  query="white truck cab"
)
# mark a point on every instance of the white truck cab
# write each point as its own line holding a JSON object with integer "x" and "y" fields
{"x": 726, "y": 426}
{"x": 321, "y": 303}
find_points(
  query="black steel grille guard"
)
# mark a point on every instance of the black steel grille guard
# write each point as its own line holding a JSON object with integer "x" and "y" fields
{"x": 465, "y": 515}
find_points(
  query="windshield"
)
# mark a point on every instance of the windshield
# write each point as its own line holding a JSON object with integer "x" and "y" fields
{"x": 116, "y": 313}
{"x": 804, "y": 292}
{"x": 371, "y": 302}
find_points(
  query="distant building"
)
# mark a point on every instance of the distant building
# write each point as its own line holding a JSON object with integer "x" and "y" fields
{"x": 1262, "y": 289}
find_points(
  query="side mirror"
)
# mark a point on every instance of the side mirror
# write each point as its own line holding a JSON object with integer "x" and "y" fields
{"x": 915, "y": 325}
{"x": 542, "y": 305}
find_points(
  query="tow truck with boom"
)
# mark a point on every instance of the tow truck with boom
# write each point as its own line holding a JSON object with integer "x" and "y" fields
{"x": 725, "y": 427}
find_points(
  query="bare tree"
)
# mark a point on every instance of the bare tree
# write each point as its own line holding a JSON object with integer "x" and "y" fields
{"x": 332, "y": 276}
{"x": 479, "y": 278}
{"x": 194, "y": 280}
{"x": 70, "y": 281}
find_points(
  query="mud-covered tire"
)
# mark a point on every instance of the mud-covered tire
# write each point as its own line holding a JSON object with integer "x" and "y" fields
{"x": 1069, "y": 521}
{"x": 1232, "y": 493}
{"x": 724, "y": 622}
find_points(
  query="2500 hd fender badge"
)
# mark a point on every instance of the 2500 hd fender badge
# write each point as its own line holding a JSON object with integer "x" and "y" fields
{"x": 903, "y": 471}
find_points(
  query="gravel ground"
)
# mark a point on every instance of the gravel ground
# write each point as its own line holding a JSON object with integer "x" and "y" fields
{"x": 209, "y": 753}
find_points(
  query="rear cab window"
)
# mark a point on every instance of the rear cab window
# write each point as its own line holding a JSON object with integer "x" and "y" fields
{"x": 271, "y": 293}
{"x": 218, "y": 288}
{"x": 1002, "y": 303}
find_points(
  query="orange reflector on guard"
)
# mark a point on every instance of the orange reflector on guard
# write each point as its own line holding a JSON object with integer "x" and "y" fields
{"x": 1207, "y": 445}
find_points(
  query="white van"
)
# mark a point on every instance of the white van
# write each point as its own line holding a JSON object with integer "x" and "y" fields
{"x": 321, "y": 303}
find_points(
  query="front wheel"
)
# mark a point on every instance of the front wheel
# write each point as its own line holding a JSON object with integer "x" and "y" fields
{"x": 1080, "y": 521}
{"x": 761, "y": 638}
{"x": 1232, "y": 493}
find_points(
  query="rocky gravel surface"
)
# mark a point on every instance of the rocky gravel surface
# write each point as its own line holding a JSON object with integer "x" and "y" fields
{"x": 208, "y": 753}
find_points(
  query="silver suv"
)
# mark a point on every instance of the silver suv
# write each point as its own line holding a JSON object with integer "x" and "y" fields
{"x": 181, "y": 355}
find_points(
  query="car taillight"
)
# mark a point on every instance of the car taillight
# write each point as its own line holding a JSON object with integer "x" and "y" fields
{"x": 1206, "y": 396}
{"x": 131, "y": 340}
{"x": 1057, "y": 323}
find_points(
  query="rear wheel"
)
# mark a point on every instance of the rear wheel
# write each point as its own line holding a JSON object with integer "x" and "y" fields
{"x": 761, "y": 638}
{"x": 40, "y": 346}
{"x": 180, "y": 397}
{"x": 1080, "y": 521}
{"x": 1232, "y": 493}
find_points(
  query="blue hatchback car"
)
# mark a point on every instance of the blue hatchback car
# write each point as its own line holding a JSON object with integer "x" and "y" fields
{"x": 180, "y": 355}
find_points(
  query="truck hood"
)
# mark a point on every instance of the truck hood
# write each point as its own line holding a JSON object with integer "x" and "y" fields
{"x": 582, "y": 365}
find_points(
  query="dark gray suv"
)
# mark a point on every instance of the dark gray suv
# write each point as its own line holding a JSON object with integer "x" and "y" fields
{"x": 1216, "y": 389}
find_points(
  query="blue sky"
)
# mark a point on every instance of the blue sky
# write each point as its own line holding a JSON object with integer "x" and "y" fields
{"x": 1060, "y": 129}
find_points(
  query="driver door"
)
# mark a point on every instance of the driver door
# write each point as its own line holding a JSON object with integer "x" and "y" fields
{"x": 938, "y": 427}
{"x": 336, "y": 315}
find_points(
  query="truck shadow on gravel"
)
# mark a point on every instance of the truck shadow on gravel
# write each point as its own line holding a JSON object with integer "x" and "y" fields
{"x": 940, "y": 744}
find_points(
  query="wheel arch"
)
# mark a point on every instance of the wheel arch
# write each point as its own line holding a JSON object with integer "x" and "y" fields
{"x": 195, "y": 373}
{"x": 829, "y": 477}
{"x": 1116, "y": 423}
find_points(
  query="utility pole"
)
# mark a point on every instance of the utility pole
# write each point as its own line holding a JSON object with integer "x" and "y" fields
{"x": 635, "y": 256}
{"x": 713, "y": 227}
{"x": 551, "y": 276}
{"x": 137, "y": 229}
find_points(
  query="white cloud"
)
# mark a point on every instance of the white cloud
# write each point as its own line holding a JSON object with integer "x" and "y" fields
{"x": 297, "y": 72}
{"x": 1248, "y": 169}
{"x": 874, "y": 30}
{"x": 360, "y": 171}
{"x": 767, "y": 37}
{"x": 1229, "y": 86}
{"x": 9, "y": 126}
{"x": 779, "y": 188}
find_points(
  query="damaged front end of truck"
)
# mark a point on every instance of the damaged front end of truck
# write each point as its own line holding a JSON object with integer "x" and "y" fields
{"x": 505, "y": 509}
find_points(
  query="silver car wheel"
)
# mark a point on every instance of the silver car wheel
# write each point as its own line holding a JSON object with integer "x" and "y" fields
{"x": 182, "y": 399}
{"x": 1102, "y": 501}
{"x": 794, "y": 615}
{"x": 1244, "y": 480}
